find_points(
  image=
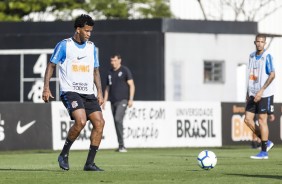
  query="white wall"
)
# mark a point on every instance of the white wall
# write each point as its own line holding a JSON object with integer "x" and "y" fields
{"x": 275, "y": 50}
{"x": 184, "y": 64}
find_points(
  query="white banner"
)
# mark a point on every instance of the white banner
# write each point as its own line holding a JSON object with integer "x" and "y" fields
{"x": 173, "y": 124}
{"x": 150, "y": 124}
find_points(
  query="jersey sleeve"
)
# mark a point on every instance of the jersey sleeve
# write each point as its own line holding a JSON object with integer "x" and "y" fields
{"x": 129, "y": 75}
{"x": 96, "y": 60}
{"x": 269, "y": 64}
{"x": 59, "y": 54}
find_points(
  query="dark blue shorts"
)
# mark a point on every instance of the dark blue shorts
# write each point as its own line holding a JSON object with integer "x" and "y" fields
{"x": 73, "y": 101}
{"x": 265, "y": 105}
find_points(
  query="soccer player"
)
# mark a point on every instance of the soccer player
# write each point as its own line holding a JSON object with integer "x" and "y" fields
{"x": 78, "y": 71}
{"x": 260, "y": 94}
{"x": 120, "y": 90}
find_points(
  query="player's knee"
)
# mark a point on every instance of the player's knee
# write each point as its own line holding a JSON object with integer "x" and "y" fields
{"x": 100, "y": 125}
{"x": 262, "y": 122}
{"x": 247, "y": 121}
{"x": 80, "y": 124}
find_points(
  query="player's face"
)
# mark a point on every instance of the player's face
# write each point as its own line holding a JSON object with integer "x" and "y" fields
{"x": 260, "y": 43}
{"x": 115, "y": 62}
{"x": 84, "y": 33}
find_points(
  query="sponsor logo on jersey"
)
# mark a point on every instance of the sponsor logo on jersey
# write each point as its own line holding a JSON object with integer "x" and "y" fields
{"x": 79, "y": 58}
{"x": 80, "y": 68}
{"x": 79, "y": 86}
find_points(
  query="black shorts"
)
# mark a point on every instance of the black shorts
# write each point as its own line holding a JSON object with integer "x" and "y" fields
{"x": 265, "y": 105}
{"x": 73, "y": 101}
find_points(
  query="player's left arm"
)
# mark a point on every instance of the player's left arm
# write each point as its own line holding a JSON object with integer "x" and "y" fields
{"x": 269, "y": 68}
{"x": 97, "y": 78}
{"x": 271, "y": 76}
{"x": 131, "y": 92}
{"x": 97, "y": 82}
{"x": 131, "y": 85}
{"x": 269, "y": 80}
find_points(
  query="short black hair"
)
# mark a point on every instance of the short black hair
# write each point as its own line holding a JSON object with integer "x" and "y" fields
{"x": 261, "y": 36}
{"x": 116, "y": 55}
{"x": 83, "y": 20}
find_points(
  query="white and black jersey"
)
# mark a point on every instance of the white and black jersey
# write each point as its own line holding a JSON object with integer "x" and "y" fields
{"x": 260, "y": 67}
{"x": 117, "y": 82}
{"x": 76, "y": 65}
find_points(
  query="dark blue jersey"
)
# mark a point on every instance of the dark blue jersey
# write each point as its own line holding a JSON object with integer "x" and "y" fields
{"x": 117, "y": 82}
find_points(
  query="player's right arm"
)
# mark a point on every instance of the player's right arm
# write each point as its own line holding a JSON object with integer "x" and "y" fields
{"x": 46, "y": 89}
{"x": 59, "y": 55}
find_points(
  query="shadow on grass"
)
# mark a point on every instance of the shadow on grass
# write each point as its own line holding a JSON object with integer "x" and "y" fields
{"x": 258, "y": 176}
{"x": 29, "y": 170}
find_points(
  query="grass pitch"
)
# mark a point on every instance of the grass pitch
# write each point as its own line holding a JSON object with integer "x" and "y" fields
{"x": 148, "y": 166}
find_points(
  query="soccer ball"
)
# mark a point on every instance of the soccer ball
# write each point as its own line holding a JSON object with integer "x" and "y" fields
{"x": 207, "y": 159}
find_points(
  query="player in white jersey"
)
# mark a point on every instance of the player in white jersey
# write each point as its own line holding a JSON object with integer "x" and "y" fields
{"x": 260, "y": 94}
{"x": 78, "y": 71}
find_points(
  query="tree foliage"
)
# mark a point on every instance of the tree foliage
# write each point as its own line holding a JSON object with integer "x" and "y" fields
{"x": 156, "y": 9}
{"x": 15, "y": 10}
{"x": 130, "y": 8}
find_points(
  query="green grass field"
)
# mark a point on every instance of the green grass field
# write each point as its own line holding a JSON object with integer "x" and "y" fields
{"x": 150, "y": 166}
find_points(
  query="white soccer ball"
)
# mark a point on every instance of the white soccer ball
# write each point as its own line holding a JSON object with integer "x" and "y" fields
{"x": 207, "y": 159}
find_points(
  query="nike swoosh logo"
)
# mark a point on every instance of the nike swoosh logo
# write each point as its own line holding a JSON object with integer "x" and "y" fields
{"x": 79, "y": 58}
{"x": 22, "y": 129}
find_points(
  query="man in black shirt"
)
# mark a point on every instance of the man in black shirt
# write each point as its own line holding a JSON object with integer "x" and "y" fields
{"x": 120, "y": 91}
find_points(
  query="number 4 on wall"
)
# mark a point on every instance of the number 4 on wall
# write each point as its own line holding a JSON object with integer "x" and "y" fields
{"x": 40, "y": 65}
